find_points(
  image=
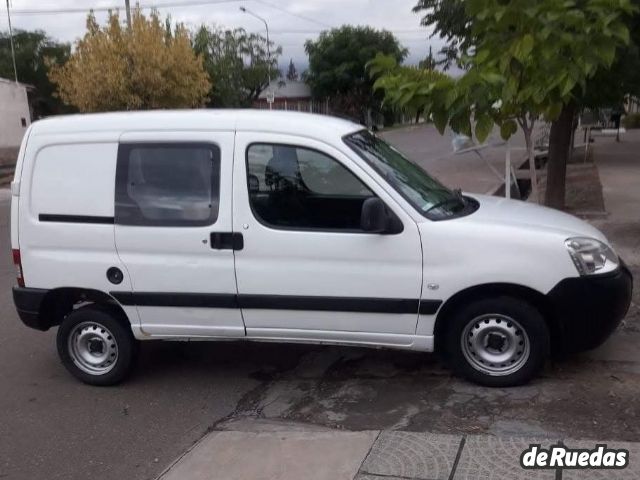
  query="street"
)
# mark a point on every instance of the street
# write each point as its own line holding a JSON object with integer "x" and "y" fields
{"x": 53, "y": 427}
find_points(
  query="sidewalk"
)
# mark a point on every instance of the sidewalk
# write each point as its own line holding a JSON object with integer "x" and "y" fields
{"x": 619, "y": 166}
{"x": 256, "y": 450}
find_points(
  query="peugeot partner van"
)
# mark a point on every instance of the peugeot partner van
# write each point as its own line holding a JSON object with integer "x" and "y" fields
{"x": 290, "y": 227}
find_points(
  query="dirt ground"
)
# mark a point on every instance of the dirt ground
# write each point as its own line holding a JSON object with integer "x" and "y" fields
{"x": 583, "y": 195}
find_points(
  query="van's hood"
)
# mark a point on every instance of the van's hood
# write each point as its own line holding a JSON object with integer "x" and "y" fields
{"x": 497, "y": 210}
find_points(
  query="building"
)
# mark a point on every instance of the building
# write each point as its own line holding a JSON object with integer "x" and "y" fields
{"x": 291, "y": 95}
{"x": 14, "y": 114}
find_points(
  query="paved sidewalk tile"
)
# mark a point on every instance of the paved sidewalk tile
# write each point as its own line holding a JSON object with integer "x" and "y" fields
{"x": 426, "y": 456}
{"x": 367, "y": 476}
{"x": 493, "y": 458}
{"x": 632, "y": 472}
{"x": 233, "y": 455}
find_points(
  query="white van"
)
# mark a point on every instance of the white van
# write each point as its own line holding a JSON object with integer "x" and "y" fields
{"x": 289, "y": 227}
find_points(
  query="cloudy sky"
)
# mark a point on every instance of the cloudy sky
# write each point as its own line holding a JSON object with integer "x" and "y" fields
{"x": 291, "y": 22}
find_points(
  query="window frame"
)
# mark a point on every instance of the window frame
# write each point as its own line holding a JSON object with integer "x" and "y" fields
{"x": 122, "y": 177}
{"x": 305, "y": 229}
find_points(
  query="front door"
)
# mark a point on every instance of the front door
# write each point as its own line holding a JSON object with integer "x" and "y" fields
{"x": 173, "y": 230}
{"x": 307, "y": 270}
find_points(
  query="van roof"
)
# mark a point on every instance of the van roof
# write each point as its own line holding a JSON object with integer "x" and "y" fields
{"x": 303, "y": 124}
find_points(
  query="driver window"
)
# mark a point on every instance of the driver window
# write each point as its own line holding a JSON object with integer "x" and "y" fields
{"x": 296, "y": 187}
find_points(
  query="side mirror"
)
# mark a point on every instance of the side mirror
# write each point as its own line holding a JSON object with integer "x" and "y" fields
{"x": 376, "y": 218}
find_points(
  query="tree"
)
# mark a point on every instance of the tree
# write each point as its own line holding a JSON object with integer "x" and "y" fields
{"x": 529, "y": 60}
{"x": 34, "y": 52}
{"x": 449, "y": 20}
{"x": 398, "y": 81}
{"x": 429, "y": 63}
{"x": 292, "y": 73}
{"x": 145, "y": 67}
{"x": 238, "y": 64}
{"x": 609, "y": 87}
{"x": 337, "y": 67}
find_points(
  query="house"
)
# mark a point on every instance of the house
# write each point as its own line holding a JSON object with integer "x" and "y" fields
{"x": 15, "y": 116}
{"x": 291, "y": 95}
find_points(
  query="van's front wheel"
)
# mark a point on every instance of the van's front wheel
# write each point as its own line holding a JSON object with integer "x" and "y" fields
{"x": 497, "y": 342}
{"x": 95, "y": 346}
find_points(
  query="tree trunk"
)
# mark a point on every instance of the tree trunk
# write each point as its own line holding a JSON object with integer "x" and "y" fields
{"x": 559, "y": 145}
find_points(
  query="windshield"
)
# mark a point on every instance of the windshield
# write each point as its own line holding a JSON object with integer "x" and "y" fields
{"x": 423, "y": 192}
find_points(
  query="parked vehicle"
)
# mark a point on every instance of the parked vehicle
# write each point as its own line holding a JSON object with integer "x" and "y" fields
{"x": 289, "y": 227}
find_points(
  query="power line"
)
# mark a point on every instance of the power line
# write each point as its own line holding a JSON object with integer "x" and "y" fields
{"x": 188, "y": 3}
{"x": 305, "y": 31}
{"x": 56, "y": 11}
{"x": 288, "y": 12}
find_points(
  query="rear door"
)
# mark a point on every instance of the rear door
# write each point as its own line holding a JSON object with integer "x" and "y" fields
{"x": 307, "y": 269}
{"x": 173, "y": 231}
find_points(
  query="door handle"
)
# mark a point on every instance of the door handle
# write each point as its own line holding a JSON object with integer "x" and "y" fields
{"x": 227, "y": 241}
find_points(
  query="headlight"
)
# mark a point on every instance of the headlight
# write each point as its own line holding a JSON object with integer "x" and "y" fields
{"x": 591, "y": 256}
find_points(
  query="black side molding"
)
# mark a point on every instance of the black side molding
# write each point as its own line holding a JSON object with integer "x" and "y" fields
{"x": 51, "y": 217}
{"x": 197, "y": 300}
{"x": 278, "y": 302}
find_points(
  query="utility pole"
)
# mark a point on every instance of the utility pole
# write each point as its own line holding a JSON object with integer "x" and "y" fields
{"x": 266, "y": 26}
{"x": 128, "y": 9}
{"x": 13, "y": 51}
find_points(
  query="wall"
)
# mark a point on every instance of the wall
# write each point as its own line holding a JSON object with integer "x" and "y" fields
{"x": 14, "y": 106}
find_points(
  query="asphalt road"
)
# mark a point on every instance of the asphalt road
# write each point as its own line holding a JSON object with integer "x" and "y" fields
{"x": 53, "y": 427}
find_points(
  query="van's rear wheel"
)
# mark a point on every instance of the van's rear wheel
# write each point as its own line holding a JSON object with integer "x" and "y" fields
{"x": 95, "y": 346}
{"x": 497, "y": 342}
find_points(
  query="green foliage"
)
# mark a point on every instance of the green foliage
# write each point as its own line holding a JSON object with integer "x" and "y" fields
{"x": 337, "y": 65}
{"x": 632, "y": 120}
{"x": 429, "y": 63}
{"x": 608, "y": 87}
{"x": 447, "y": 19}
{"x": 531, "y": 58}
{"x": 292, "y": 73}
{"x": 238, "y": 64}
{"x": 34, "y": 51}
{"x": 406, "y": 87}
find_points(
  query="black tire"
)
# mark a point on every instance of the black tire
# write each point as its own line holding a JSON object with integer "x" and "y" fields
{"x": 103, "y": 330}
{"x": 527, "y": 328}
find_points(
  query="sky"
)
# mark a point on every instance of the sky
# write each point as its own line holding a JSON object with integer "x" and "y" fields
{"x": 291, "y": 22}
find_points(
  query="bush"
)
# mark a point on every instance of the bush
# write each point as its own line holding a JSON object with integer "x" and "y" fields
{"x": 631, "y": 121}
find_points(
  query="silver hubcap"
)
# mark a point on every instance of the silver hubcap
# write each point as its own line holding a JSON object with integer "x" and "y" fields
{"x": 93, "y": 348}
{"x": 495, "y": 344}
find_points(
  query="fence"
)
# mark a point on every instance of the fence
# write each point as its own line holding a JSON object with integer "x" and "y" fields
{"x": 294, "y": 105}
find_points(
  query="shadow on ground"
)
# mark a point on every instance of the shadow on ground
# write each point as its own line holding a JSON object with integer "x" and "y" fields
{"x": 593, "y": 395}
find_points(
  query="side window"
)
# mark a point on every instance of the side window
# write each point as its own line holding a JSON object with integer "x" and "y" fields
{"x": 297, "y": 187}
{"x": 167, "y": 184}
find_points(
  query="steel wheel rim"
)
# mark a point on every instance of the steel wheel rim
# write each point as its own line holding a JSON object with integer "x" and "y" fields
{"x": 495, "y": 344}
{"x": 93, "y": 348}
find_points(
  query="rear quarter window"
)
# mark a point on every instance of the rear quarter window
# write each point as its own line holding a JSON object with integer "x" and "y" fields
{"x": 74, "y": 179}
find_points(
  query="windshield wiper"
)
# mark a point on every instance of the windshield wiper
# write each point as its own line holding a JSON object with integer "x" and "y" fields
{"x": 457, "y": 198}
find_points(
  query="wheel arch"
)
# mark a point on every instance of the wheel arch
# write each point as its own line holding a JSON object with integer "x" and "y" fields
{"x": 537, "y": 299}
{"x": 59, "y": 302}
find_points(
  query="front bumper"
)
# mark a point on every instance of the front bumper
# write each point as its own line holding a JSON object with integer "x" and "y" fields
{"x": 28, "y": 302}
{"x": 588, "y": 309}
